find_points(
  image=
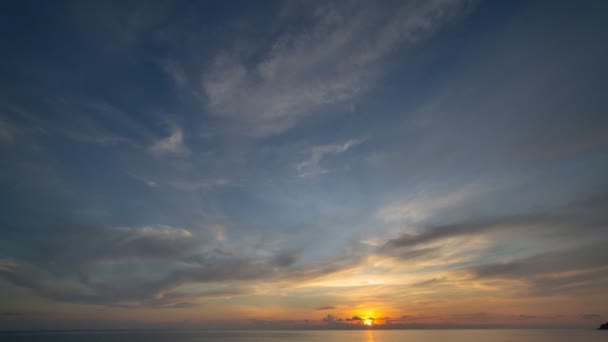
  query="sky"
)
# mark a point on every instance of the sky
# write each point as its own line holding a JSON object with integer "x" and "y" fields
{"x": 303, "y": 164}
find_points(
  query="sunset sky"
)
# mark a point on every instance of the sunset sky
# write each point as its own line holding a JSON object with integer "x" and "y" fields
{"x": 298, "y": 164}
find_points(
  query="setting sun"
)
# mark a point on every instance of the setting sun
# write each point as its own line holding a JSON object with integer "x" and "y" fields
{"x": 368, "y": 322}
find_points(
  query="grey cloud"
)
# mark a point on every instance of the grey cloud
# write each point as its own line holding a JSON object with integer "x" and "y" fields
{"x": 285, "y": 259}
{"x": 145, "y": 266}
{"x": 591, "y": 316}
{"x": 578, "y": 270}
{"x": 431, "y": 282}
{"x": 412, "y": 254}
{"x": 133, "y": 291}
{"x": 587, "y": 215}
{"x": 325, "y": 308}
{"x": 123, "y": 266}
{"x": 76, "y": 246}
{"x": 342, "y": 261}
{"x": 588, "y": 256}
{"x": 329, "y": 318}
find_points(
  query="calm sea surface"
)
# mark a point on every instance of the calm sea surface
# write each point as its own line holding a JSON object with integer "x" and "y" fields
{"x": 328, "y": 336}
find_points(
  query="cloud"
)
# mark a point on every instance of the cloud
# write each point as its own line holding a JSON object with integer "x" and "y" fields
{"x": 415, "y": 318}
{"x": 182, "y": 184}
{"x": 336, "y": 58}
{"x": 77, "y": 248}
{"x": 329, "y": 319}
{"x": 151, "y": 266}
{"x": 175, "y": 72}
{"x": 131, "y": 291}
{"x": 312, "y": 166}
{"x": 285, "y": 258}
{"x": 582, "y": 215}
{"x": 200, "y": 184}
{"x": 326, "y": 308}
{"x": 84, "y": 120}
{"x": 6, "y": 131}
{"x": 129, "y": 287}
{"x": 164, "y": 232}
{"x": 423, "y": 206}
{"x": 431, "y": 282}
{"x": 147, "y": 181}
{"x": 576, "y": 270}
{"x": 173, "y": 144}
{"x": 217, "y": 231}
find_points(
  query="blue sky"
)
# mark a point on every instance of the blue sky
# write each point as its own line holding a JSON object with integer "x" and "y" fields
{"x": 264, "y": 160}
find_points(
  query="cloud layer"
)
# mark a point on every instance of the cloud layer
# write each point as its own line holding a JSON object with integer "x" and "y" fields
{"x": 303, "y": 164}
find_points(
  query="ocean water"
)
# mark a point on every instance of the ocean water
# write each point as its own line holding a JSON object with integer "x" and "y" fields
{"x": 327, "y": 336}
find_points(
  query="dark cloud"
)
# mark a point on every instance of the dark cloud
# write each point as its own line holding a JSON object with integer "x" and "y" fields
{"x": 329, "y": 318}
{"x": 285, "y": 259}
{"x": 131, "y": 291}
{"x": 415, "y": 317}
{"x": 148, "y": 265}
{"x": 408, "y": 254}
{"x": 326, "y": 308}
{"x": 574, "y": 270}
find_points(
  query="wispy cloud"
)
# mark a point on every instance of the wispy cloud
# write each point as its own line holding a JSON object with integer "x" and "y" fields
{"x": 337, "y": 58}
{"x": 6, "y": 131}
{"x": 173, "y": 144}
{"x": 175, "y": 72}
{"x": 423, "y": 206}
{"x": 201, "y": 184}
{"x": 312, "y": 166}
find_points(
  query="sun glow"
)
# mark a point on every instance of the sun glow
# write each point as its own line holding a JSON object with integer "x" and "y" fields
{"x": 369, "y": 322}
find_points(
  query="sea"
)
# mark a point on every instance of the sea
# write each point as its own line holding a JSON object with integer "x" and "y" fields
{"x": 460, "y": 335}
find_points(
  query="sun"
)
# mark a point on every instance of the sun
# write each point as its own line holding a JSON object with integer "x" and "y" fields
{"x": 369, "y": 322}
